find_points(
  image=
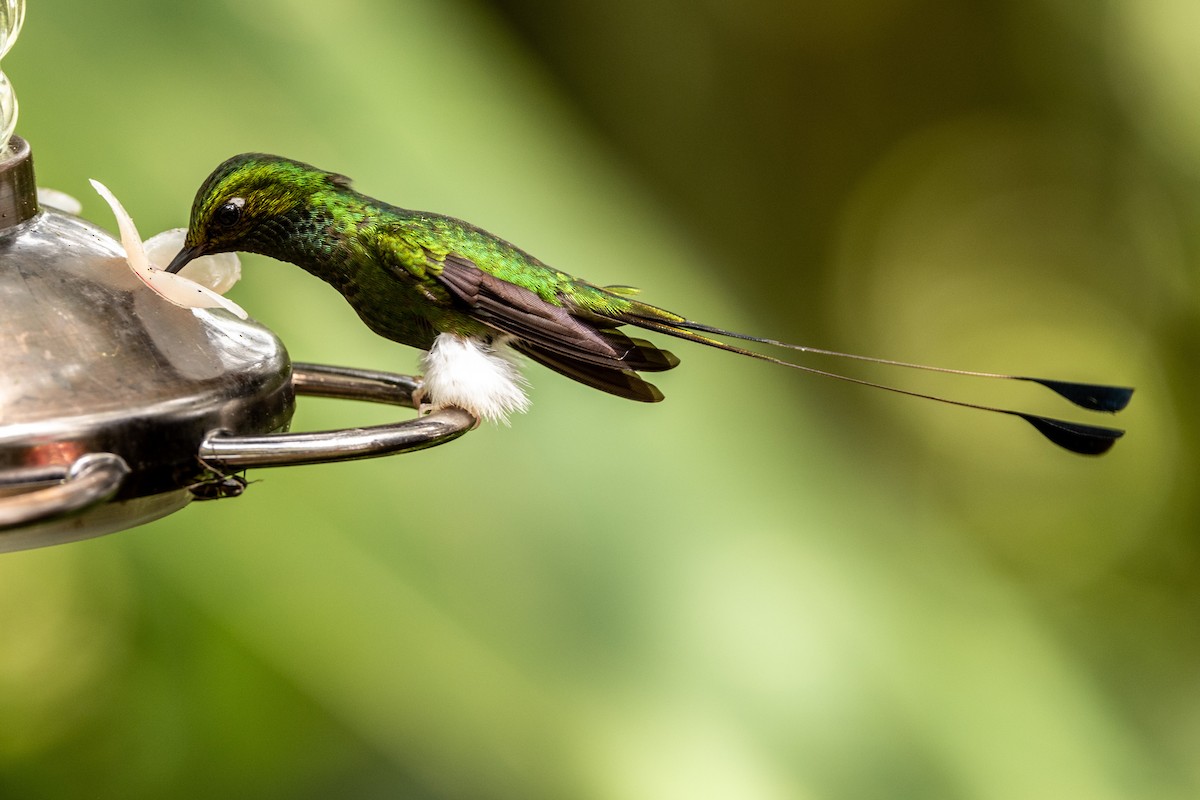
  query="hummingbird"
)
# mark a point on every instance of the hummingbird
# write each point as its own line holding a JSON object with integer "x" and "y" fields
{"x": 472, "y": 301}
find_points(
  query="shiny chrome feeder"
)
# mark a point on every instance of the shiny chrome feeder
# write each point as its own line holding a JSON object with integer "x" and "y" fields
{"x": 118, "y": 407}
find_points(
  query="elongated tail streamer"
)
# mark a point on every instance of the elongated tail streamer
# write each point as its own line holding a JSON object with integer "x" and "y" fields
{"x": 1073, "y": 436}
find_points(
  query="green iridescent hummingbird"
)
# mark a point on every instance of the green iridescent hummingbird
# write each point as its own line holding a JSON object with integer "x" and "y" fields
{"x": 471, "y": 300}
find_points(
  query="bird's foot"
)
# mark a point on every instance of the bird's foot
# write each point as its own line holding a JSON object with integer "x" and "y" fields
{"x": 419, "y": 399}
{"x": 424, "y": 409}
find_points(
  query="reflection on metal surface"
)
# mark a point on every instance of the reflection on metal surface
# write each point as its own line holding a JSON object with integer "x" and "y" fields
{"x": 101, "y": 519}
{"x": 92, "y": 479}
{"x": 287, "y": 449}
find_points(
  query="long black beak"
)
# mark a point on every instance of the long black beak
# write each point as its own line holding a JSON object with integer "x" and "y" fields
{"x": 185, "y": 255}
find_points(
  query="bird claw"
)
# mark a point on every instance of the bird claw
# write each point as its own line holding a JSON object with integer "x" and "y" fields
{"x": 418, "y": 400}
{"x": 424, "y": 409}
{"x": 422, "y": 402}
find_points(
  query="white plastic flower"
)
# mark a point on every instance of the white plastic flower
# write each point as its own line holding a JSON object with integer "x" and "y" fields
{"x": 218, "y": 272}
{"x": 205, "y": 276}
{"x": 59, "y": 200}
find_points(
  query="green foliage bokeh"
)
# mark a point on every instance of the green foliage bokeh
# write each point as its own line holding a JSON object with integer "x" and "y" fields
{"x": 765, "y": 587}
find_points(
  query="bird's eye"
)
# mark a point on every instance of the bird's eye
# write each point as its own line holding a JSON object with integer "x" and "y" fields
{"x": 229, "y": 212}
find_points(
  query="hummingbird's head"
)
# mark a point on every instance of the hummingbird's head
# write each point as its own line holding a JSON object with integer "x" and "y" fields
{"x": 240, "y": 205}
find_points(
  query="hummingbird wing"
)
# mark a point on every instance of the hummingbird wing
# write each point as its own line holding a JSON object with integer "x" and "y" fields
{"x": 568, "y": 339}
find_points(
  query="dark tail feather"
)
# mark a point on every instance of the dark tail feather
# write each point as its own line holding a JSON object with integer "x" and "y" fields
{"x": 1089, "y": 440}
{"x": 621, "y": 382}
{"x": 639, "y": 354}
{"x": 1083, "y": 439}
{"x": 1094, "y": 397}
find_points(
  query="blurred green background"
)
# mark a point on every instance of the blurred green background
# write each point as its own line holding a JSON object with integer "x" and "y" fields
{"x": 769, "y": 586}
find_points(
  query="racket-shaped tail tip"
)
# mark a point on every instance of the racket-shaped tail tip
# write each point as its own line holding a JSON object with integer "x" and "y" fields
{"x": 1092, "y": 396}
{"x": 1088, "y": 440}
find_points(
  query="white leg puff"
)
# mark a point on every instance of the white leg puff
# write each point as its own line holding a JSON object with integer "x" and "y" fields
{"x": 479, "y": 376}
